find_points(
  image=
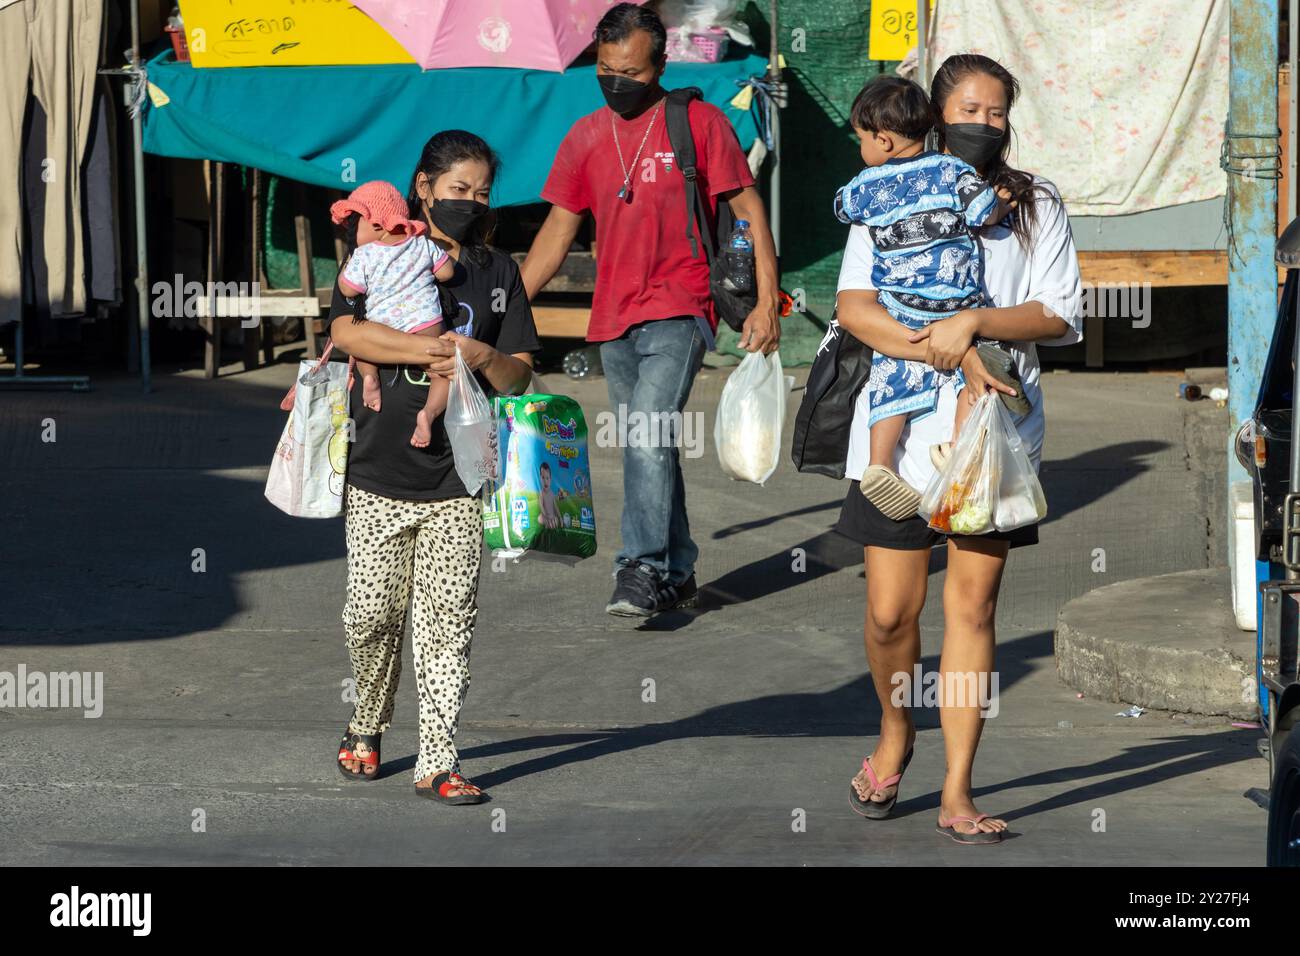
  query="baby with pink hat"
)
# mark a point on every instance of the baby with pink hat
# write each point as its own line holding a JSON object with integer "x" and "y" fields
{"x": 394, "y": 266}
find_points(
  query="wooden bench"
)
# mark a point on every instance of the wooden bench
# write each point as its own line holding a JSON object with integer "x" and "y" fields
{"x": 565, "y": 321}
{"x": 304, "y": 302}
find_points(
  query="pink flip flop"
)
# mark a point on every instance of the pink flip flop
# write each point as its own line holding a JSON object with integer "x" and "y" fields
{"x": 978, "y": 838}
{"x": 870, "y": 808}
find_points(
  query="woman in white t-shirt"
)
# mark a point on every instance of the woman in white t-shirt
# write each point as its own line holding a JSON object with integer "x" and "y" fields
{"x": 1031, "y": 274}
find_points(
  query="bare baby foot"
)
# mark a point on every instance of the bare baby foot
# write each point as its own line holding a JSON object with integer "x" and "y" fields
{"x": 371, "y": 393}
{"x": 423, "y": 429}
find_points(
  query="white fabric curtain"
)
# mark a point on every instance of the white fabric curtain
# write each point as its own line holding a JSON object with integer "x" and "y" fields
{"x": 1122, "y": 103}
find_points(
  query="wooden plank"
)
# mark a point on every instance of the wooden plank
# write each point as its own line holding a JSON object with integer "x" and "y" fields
{"x": 578, "y": 274}
{"x": 215, "y": 175}
{"x": 1094, "y": 338}
{"x": 306, "y": 279}
{"x": 251, "y": 334}
{"x": 211, "y": 328}
{"x": 562, "y": 321}
{"x": 1172, "y": 268}
{"x": 277, "y": 302}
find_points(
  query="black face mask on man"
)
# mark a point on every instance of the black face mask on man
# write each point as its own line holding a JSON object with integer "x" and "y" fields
{"x": 624, "y": 94}
{"x": 456, "y": 217}
{"x": 975, "y": 143}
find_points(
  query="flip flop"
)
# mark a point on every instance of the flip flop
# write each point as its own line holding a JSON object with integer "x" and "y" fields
{"x": 895, "y": 498}
{"x": 978, "y": 838}
{"x": 871, "y": 809}
{"x": 348, "y": 746}
{"x": 939, "y": 454}
{"x": 444, "y": 783}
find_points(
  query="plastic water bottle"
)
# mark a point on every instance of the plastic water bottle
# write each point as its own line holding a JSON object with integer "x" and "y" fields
{"x": 738, "y": 259}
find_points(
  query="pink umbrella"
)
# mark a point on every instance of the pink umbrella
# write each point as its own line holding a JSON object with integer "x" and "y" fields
{"x": 529, "y": 34}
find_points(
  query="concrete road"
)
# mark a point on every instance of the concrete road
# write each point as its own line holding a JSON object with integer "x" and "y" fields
{"x": 223, "y": 695}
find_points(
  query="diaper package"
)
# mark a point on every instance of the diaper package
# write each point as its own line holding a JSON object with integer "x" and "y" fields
{"x": 542, "y": 504}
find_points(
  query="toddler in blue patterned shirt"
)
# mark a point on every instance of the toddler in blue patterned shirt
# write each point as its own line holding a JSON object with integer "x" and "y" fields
{"x": 922, "y": 209}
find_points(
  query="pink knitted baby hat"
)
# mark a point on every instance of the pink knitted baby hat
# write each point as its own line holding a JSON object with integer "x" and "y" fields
{"x": 379, "y": 202}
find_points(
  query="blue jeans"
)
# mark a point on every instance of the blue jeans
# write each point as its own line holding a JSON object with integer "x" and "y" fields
{"x": 649, "y": 371}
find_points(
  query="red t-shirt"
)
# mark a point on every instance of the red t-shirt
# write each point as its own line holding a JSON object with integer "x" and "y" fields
{"x": 644, "y": 268}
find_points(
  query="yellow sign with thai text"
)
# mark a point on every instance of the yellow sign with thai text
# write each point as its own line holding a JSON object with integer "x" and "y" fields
{"x": 893, "y": 28}
{"x": 285, "y": 33}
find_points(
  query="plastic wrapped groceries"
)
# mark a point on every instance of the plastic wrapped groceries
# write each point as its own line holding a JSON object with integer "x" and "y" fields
{"x": 988, "y": 482}
{"x": 750, "y": 414}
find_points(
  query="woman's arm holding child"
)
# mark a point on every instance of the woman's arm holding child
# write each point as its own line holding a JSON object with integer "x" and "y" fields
{"x": 861, "y": 315}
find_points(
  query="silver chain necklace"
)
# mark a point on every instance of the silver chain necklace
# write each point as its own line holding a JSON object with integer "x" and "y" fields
{"x": 625, "y": 193}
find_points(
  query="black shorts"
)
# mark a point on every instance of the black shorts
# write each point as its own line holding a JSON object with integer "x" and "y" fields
{"x": 862, "y": 522}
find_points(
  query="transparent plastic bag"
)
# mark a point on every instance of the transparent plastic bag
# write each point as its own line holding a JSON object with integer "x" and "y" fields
{"x": 699, "y": 16}
{"x": 989, "y": 482}
{"x": 1020, "y": 498}
{"x": 750, "y": 415}
{"x": 471, "y": 429}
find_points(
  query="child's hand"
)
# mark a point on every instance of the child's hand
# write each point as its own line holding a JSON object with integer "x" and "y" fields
{"x": 1004, "y": 194}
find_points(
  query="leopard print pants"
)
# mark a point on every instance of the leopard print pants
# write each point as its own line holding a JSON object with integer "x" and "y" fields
{"x": 429, "y": 550}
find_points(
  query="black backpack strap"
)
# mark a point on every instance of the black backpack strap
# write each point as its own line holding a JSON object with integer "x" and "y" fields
{"x": 677, "y": 117}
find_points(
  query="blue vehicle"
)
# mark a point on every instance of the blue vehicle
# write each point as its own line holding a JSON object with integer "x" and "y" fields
{"x": 1268, "y": 447}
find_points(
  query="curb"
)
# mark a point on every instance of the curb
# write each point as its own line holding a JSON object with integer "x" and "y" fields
{"x": 1167, "y": 642}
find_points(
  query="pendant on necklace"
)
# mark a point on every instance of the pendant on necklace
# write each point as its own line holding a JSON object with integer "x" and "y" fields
{"x": 625, "y": 193}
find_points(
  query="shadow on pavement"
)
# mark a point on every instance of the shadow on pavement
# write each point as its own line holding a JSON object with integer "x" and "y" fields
{"x": 851, "y": 709}
{"x": 1072, "y": 484}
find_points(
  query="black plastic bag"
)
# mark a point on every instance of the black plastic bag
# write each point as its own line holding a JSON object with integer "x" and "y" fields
{"x": 821, "y": 429}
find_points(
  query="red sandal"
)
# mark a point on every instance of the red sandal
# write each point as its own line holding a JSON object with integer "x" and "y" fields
{"x": 444, "y": 783}
{"x": 363, "y": 748}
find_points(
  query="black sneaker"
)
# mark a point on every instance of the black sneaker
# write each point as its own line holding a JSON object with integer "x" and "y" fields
{"x": 637, "y": 592}
{"x": 683, "y": 595}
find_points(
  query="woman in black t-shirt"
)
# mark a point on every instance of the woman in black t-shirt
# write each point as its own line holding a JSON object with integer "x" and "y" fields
{"x": 412, "y": 530}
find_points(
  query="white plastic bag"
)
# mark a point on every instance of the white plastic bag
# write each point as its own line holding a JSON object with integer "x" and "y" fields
{"x": 311, "y": 459}
{"x": 1020, "y": 498}
{"x": 750, "y": 415}
{"x": 698, "y": 16}
{"x": 471, "y": 429}
{"x": 989, "y": 482}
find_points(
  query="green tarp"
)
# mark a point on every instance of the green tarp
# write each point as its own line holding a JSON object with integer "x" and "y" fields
{"x": 337, "y": 126}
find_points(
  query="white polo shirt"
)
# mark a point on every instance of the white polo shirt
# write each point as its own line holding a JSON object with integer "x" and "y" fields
{"x": 1046, "y": 272}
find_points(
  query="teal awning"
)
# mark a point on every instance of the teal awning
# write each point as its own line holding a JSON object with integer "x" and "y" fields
{"x": 336, "y": 126}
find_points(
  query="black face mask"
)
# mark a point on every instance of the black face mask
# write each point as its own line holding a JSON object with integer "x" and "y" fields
{"x": 623, "y": 94}
{"x": 456, "y": 217}
{"x": 976, "y": 143}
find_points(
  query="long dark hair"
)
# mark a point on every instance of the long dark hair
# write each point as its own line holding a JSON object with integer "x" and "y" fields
{"x": 1021, "y": 185}
{"x": 443, "y": 151}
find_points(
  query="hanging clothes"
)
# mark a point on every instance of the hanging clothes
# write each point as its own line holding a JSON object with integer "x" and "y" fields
{"x": 50, "y": 50}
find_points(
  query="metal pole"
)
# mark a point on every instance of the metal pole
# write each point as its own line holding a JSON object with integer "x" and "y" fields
{"x": 1252, "y": 205}
{"x": 922, "y": 57}
{"x": 1293, "y": 40}
{"x": 774, "y": 124}
{"x": 141, "y": 245}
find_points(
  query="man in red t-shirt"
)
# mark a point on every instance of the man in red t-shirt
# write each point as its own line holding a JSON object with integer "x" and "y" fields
{"x": 651, "y": 312}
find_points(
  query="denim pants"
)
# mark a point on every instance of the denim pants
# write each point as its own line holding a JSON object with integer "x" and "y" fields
{"x": 649, "y": 371}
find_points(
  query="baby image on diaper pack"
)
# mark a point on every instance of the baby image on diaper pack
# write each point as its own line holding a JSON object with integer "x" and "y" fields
{"x": 543, "y": 502}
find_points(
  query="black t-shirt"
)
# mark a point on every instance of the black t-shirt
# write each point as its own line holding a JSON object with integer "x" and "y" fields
{"x": 382, "y": 459}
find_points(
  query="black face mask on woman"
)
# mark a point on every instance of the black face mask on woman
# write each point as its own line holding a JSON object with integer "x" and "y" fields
{"x": 976, "y": 143}
{"x": 456, "y": 217}
{"x": 624, "y": 94}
